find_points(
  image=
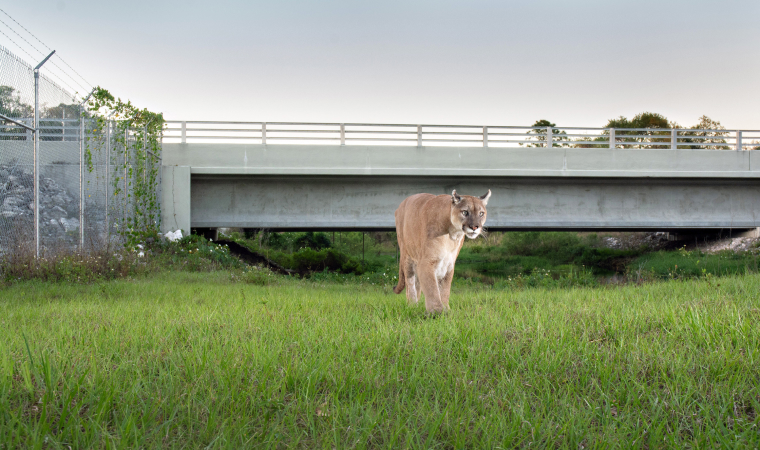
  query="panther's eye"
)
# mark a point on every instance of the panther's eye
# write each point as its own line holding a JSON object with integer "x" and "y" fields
{"x": 481, "y": 213}
{"x": 465, "y": 213}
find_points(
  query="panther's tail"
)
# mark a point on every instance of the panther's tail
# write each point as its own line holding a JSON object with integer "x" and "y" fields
{"x": 401, "y": 279}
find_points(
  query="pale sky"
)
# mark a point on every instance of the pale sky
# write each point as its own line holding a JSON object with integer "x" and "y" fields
{"x": 576, "y": 63}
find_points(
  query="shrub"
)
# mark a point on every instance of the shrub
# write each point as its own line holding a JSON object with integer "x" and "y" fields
{"x": 316, "y": 241}
{"x": 310, "y": 260}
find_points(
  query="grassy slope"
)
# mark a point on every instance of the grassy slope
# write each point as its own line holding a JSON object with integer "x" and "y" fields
{"x": 188, "y": 360}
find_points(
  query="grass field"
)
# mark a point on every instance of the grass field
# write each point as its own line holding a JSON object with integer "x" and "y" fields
{"x": 193, "y": 360}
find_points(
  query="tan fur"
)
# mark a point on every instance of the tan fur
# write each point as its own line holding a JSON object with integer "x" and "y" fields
{"x": 431, "y": 231}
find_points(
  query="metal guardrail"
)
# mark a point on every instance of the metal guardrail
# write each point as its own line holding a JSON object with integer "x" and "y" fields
{"x": 459, "y": 135}
{"x": 50, "y": 129}
{"x": 419, "y": 135}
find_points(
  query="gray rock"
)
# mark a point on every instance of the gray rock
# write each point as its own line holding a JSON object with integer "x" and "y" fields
{"x": 59, "y": 210}
{"x": 70, "y": 224}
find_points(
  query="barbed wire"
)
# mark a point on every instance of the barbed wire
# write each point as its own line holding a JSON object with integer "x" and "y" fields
{"x": 85, "y": 88}
{"x": 33, "y": 58}
{"x": 44, "y": 45}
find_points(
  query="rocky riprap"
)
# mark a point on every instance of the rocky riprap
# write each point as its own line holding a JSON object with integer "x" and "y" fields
{"x": 59, "y": 210}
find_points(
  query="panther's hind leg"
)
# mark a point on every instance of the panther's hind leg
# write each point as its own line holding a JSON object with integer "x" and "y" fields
{"x": 412, "y": 284}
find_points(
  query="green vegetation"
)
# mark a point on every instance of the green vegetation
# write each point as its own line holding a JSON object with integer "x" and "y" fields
{"x": 506, "y": 260}
{"x": 527, "y": 253}
{"x": 207, "y": 360}
{"x": 137, "y": 132}
{"x": 514, "y": 259}
{"x": 692, "y": 264}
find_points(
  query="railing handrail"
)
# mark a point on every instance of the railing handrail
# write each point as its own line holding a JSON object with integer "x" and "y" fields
{"x": 428, "y": 134}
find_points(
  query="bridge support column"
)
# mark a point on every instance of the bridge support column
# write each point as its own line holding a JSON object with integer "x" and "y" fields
{"x": 175, "y": 199}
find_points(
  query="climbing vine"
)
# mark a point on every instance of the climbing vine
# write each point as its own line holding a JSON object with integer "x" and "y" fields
{"x": 126, "y": 141}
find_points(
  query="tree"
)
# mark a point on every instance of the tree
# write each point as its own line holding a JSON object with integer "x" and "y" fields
{"x": 559, "y": 138}
{"x": 706, "y": 131}
{"x": 643, "y": 129}
{"x": 11, "y": 106}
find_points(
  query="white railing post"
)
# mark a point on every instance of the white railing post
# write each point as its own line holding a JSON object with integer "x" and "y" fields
{"x": 264, "y": 133}
{"x": 343, "y": 134}
{"x": 612, "y": 138}
{"x": 184, "y": 132}
{"x": 419, "y": 135}
{"x": 485, "y": 136}
{"x": 549, "y": 143}
{"x": 673, "y": 139}
{"x": 739, "y": 146}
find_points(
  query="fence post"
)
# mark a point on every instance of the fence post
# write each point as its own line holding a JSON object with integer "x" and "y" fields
{"x": 674, "y": 139}
{"x": 108, "y": 176}
{"x": 264, "y": 133}
{"x": 343, "y": 134}
{"x": 549, "y": 140}
{"x": 126, "y": 156}
{"x": 145, "y": 152}
{"x": 419, "y": 135}
{"x": 485, "y": 136}
{"x": 739, "y": 146}
{"x": 612, "y": 138}
{"x": 184, "y": 132}
{"x": 36, "y": 155}
{"x": 81, "y": 178}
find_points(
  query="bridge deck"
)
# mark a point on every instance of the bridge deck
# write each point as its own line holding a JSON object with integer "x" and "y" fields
{"x": 359, "y": 187}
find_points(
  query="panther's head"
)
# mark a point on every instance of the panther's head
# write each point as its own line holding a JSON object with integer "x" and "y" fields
{"x": 469, "y": 213}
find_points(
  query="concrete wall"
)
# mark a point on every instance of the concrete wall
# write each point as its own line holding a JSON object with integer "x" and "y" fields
{"x": 175, "y": 198}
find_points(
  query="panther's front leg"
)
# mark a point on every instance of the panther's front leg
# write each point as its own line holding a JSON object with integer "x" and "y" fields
{"x": 445, "y": 287}
{"x": 431, "y": 288}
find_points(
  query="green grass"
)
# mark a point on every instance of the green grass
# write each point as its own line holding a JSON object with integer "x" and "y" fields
{"x": 691, "y": 264}
{"x": 195, "y": 360}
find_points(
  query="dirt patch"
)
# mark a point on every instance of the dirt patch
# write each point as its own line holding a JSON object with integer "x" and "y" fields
{"x": 740, "y": 244}
{"x": 655, "y": 241}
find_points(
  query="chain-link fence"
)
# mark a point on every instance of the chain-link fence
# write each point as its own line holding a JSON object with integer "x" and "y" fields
{"x": 88, "y": 174}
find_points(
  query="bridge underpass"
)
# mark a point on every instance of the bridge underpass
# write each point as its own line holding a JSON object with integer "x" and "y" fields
{"x": 358, "y": 187}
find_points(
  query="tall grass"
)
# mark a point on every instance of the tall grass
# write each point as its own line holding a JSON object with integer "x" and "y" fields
{"x": 199, "y": 360}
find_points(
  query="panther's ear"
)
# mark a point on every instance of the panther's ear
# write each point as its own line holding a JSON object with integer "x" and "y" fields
{"x": 485, "y": 198}
{"x": 455, "y": 198}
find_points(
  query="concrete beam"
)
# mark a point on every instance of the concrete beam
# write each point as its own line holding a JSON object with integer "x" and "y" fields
{"x": 368, "y": 202}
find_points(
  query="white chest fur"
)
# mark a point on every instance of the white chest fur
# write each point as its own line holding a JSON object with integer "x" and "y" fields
{"x": 445, "y": 264}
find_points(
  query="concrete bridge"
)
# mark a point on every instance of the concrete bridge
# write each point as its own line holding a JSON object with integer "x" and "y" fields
{"x": 662, "y": 181}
